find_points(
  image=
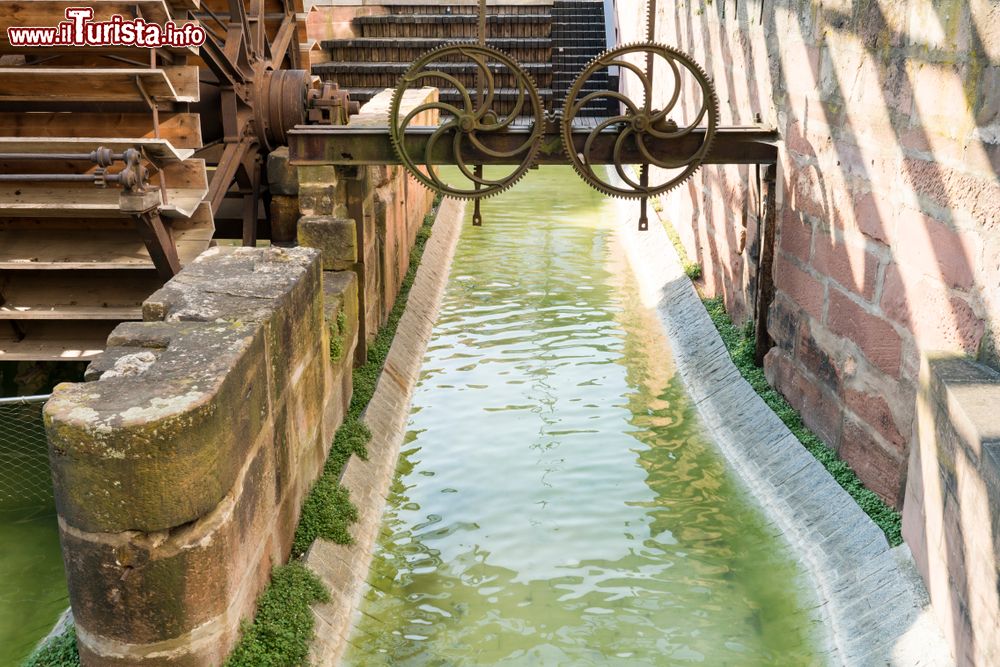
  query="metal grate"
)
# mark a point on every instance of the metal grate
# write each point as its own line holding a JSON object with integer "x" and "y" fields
{"x": 25, "y": 477}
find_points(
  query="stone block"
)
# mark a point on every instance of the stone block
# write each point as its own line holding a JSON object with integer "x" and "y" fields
{"x": 182, "y": 465}
{"x": 336, "y": 238}
{"x": 159, "y": 448}
{"x": 340, "y": 305}
{"x": 284, "y": 219}
{"x": 850, "y": 264}
{"x": 874, "y": 336}
{"x": 803, "y": 289}
{"x": 879, "y": 467}
{"x": 142, "y": 591}
{"x": 282, "y": 177}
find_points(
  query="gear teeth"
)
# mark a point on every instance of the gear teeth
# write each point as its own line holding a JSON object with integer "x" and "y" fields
{"x": 396, "y": 134}
{"x": 711, "y": 100}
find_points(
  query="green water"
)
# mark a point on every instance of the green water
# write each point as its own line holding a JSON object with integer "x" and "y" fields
{"x": 32, "y": 581}
{"x": 556, "y": 502}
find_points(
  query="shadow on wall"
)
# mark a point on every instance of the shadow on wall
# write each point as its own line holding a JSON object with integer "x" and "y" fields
{"x": 889, "y": 222}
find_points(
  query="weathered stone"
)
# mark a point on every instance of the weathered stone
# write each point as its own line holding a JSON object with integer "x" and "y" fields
{"x": 336, "y": 238}
{"x": 282, "y": 177}
{"x": 284, "y": 219}
{"x": 152, "y": 451}
{"x": 182, "y": 465}
{"x": 952, "y": 507}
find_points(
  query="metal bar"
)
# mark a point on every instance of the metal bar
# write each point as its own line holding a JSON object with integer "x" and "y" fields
{"x": 345, "y": 145}
{"x": 47, "y": 178}
{"x": 21, "y": 400}
{"x": 87, "y": 157}
{"x": 159, "y": 243}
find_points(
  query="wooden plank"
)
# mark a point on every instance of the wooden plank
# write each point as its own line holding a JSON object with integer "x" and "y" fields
{"x": 57, "y": 200}
{"x": 51, "y": 12}
{"x": 21, "y": 84}
{"x": 92, "y": 295}
{"x": 57, "y": 341}
{"x": 182, "y": 130}
{"x": 40, "y": 249}
{"x": 42, "y": 311}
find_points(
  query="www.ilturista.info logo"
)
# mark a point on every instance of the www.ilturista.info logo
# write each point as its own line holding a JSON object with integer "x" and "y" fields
{"x": 79, "y": 30}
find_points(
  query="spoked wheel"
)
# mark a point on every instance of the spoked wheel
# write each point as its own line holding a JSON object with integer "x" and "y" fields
{"x": 118, "y": 163}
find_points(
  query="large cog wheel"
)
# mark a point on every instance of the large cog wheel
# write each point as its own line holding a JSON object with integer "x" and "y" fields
{"x": 471, "y": 120}
{"x": 639, "y": 122}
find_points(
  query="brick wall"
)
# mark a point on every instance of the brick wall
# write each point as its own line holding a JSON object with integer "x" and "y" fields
{"x": 889, "y": 203}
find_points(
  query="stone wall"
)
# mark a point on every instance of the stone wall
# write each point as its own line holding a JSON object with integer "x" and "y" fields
{"x": 888, "y": 221}
{"x": 181, "y": 466}
{"x": 951, "y": 519}
{"x": 366, "y": 218}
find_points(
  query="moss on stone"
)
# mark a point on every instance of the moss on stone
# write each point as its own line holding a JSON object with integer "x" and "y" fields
{"x": 740, "y": 344}
{"x": 279, "y": 635}
{"x": 60, "y": 651}
{"x": 327, "y": 511}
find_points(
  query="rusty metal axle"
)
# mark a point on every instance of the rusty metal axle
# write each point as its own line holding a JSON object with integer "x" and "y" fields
{"x": 345, "y": 145}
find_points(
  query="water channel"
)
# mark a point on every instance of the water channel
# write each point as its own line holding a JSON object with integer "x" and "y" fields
{"x": 556, "y": 502}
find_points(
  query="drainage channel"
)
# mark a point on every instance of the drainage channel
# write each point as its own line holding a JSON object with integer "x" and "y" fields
{"x": 556, "y": 501}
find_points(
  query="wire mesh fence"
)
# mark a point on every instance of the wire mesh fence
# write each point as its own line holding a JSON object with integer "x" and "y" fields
{"x": 25, "y": 477}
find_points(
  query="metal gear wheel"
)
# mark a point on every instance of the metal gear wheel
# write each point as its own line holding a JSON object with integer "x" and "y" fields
{"x": 472, "y": 120}
{"x": 640, "y": 122}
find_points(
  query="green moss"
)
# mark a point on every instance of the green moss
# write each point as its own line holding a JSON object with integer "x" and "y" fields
{"x": 327, "y": 511}
{"x": 337, "y": 336}
{"x": 280, "y": 633}
{"x": 691, "y": 269}
{"x": 60, "y": 651}
{"x": 740, "y": 344}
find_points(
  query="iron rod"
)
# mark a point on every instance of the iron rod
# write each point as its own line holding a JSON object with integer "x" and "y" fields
{"x": 55, "y": 156}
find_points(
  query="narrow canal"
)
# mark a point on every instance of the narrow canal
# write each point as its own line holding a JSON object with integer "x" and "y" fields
{"x": 556, "y": 502}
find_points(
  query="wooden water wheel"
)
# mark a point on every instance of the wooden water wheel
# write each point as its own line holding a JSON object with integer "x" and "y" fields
{"x": 121, "y": 163}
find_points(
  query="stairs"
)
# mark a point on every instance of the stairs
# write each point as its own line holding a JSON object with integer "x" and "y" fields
{"x": 578, "y": 36}
{"x": 552, "y": 42}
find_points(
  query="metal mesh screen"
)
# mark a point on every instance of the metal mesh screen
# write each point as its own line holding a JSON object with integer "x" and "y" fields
{"x": 25, "y": 477}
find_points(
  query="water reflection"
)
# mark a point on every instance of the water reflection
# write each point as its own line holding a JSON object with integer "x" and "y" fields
{"x": 556, "y": 502}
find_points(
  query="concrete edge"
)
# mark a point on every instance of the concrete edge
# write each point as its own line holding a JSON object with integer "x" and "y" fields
{"x": 344, "y": 568}
{"x": 868, "y": 597}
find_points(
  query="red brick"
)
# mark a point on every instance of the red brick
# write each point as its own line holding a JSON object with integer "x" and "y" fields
{"x": 819, "y": 407}
{"x": 796, "y": 235}
{"x": 874, "y": 219}
{"x": 873, "y": 335}
{"x": 879, "y": 468}
{"x": 812, "y": 355}
{"x": 807, "y": 191}
{"x": 804, "y": 290}
{"x": 928, "y": 245}
{"x": 797, "y": 141}
{"x": 954, "y": 189}
{"x": 875, "y": 412}
{"x": 850, "y": 265}
{"x": 782, "y": 319}
{"x": 937, "y": 318}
